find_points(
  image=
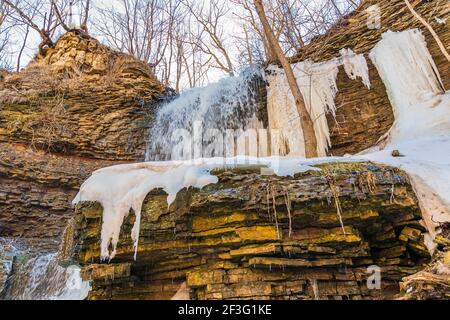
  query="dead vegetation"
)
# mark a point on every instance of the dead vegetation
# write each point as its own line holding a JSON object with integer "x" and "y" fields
{"x": 47, "y": 126}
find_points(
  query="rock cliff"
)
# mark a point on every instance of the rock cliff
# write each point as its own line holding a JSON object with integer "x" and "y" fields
{"x": 263, "y": 237}
{"x": 81, "y": 106}
{"x": 78, "y": 108}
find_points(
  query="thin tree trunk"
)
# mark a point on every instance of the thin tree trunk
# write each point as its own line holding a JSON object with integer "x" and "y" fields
{"x": 305, "y": 118}
{"x": 430, "y": 28}
{"x": 24, "y": 43}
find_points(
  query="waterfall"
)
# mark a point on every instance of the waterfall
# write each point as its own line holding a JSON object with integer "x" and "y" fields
{"x": 209, "y": 122}
{"x": 42, "y": 278}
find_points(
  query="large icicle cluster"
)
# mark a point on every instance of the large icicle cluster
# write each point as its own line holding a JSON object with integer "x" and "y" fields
{"x": 412, "y": 82}
{"x": 284, "y": 122}
{"x": 317, "y": 82}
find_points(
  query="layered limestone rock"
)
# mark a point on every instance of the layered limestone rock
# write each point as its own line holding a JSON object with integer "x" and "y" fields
{"x": 432, "y": 283}
{"x": 75, "y": 109}
{"x": 80, "y": 98}
{"x": 254, "y": 236}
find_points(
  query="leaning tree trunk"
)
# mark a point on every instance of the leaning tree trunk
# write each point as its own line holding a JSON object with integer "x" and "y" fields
{"x": 305, "y": 118}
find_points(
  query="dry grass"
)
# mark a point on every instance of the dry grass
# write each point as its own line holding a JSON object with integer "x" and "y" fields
{"x": 335, "y": 192}
{"x": 47, "y": 125}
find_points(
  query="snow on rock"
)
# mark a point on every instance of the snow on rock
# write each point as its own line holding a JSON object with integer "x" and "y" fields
{"x": 123, "y": 188}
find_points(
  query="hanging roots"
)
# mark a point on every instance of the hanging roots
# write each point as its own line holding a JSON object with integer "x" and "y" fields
{"x": 268, "y": 202}
{"x": 393, "y": 187}
{"x": 369, "y": 180}
{"x": 287, "y": 200}
{"x": 275, "y": 212}
{"x": 335, "y": 192}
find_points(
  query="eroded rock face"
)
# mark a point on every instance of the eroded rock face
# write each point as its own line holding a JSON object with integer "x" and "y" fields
{"x": 76, "y": 109}
{"x": 263, "y": 237}
{"x": 82, "y": 99}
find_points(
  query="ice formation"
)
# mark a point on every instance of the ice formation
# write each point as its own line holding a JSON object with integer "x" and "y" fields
{"x": 413, "y": 84}
{"x": 422, "y": 120}
{"x": 284, "y": 121}
{"x": 355, "y": 65}
{"x": 206, "y": 122}
{"x": 317, "y": 82}
{"x": 123, "y": 188}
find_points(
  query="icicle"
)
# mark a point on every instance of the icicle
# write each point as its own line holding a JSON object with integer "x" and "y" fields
{"x": 412, "y": 81}
{"x": 355, "y": 65}
{"x": 284, "y": 121}
{"x": 317, "y": 82}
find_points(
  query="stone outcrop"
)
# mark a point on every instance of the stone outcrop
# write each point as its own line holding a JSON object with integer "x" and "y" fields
{"x": 82, "y": 99}
{"x": 253, "y": 236}
{"x": 78, "y": 108}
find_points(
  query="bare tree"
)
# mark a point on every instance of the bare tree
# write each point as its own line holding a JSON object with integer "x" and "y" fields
{"x": 45, "y": 17}
{"x": 294, "y": 24}
{"x": 211, "y": 16}
{"x": 430, "y": 28}
{"x": 305, "y": 118}
{"x": 5, "y": 36}
{"x": 139, "y": 27}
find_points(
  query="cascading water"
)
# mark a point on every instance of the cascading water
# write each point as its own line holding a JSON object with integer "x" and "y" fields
{"x": 42, "y": 278}
{"x": 208, "y": 122}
